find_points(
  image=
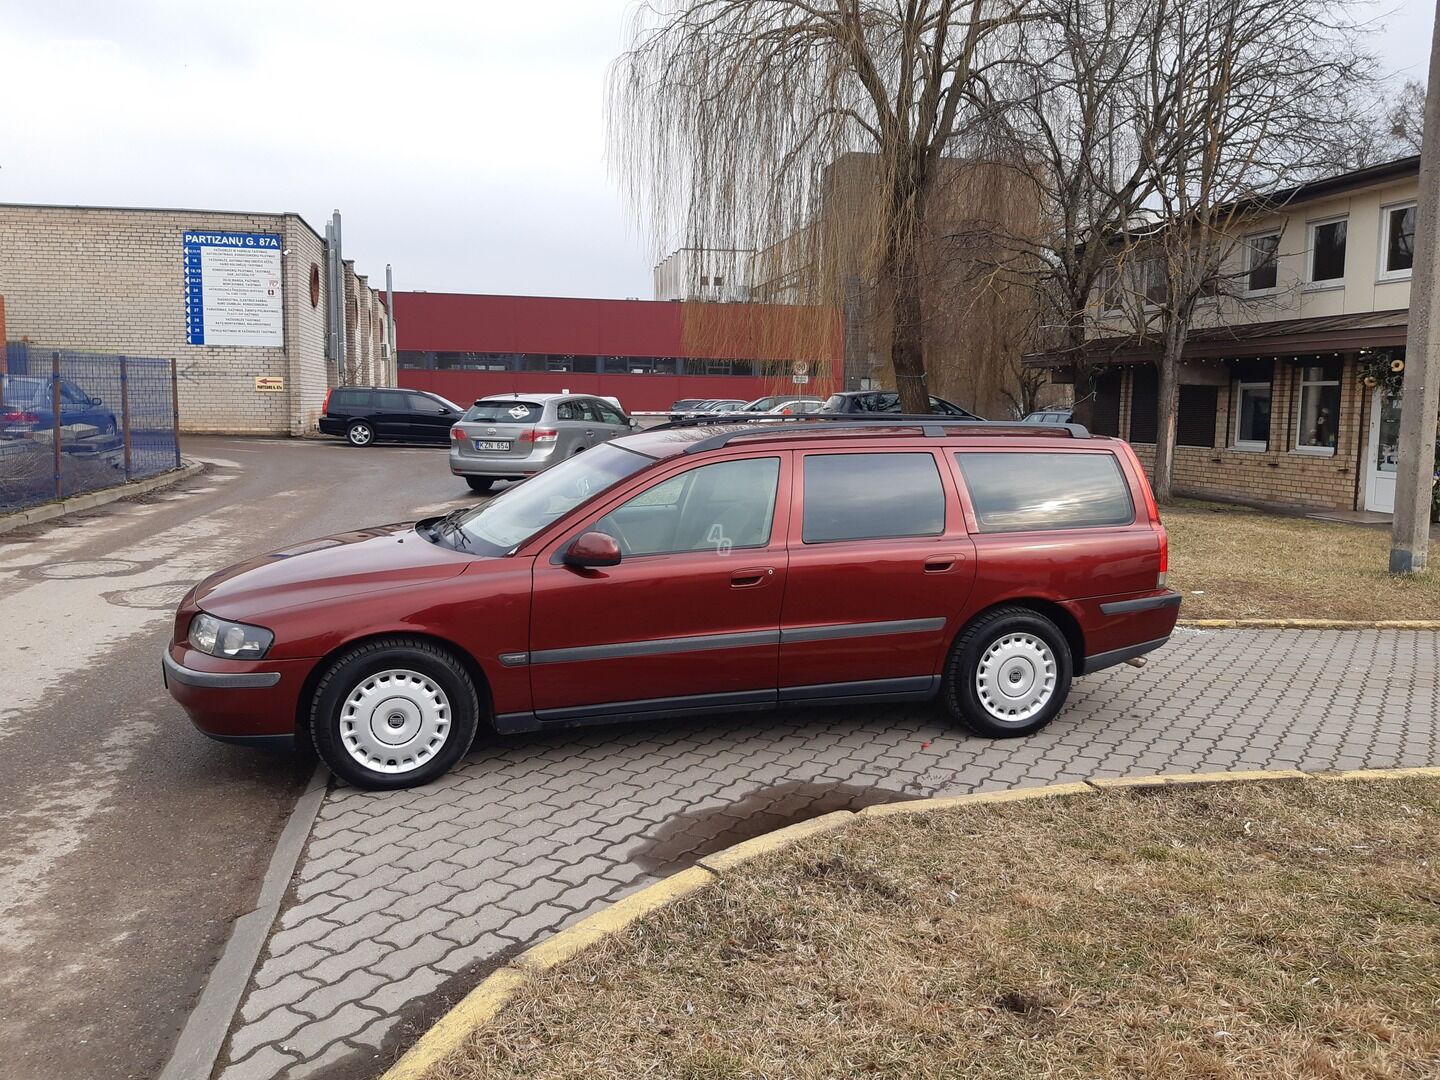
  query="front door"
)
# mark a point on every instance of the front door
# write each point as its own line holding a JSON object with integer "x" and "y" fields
{"x": 690, "y": 618}
{"x": 1384, "y": 451}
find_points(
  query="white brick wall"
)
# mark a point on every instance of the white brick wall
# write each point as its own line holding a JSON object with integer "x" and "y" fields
{"x": 112, "y": 280}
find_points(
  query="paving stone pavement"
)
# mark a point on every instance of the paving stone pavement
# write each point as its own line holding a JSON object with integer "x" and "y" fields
{"x": 403, "y": 894}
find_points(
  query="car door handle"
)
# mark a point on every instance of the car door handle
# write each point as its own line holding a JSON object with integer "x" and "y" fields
{"x": 749, "y": 579}
{"x": 938, "y": 564}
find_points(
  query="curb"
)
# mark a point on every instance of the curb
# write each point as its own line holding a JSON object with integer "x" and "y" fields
{"x": 91, "y": 499}
{"x": 491, "y": 997}
{"x": 208, "y": 1026}
{"x": 1310, "y": 624}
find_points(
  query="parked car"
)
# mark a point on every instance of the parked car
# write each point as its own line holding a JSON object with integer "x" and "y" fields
{"x": 27, "y": 405}
{"x": 365, "y": 415}
{"x": 683, "y": 406}
{"x": 514, "y": 436}
{"x": 798, "y": 407}
{"x": 720, "y": 405}
{"x": 1048, "y": 416}
{"x": 764, "y": 404}
{"x": 683, "y": 570}
{"x": 881, "y": 401}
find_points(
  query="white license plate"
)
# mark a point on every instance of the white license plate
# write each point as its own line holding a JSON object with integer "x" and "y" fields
{"x": 492, "y": 444}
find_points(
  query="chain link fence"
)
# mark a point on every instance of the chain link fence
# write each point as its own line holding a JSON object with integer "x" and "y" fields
{"x": 72, "y": 422}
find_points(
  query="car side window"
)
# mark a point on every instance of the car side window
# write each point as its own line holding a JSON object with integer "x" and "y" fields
{"x": 391, "y": 400}
{"x": 568, "y": 410}
{"x": 422, "y": 404}
{"x": 730, "y": 504}
{"x": 609, "y": 414}
{"x": 872, "y": 496}
{"x": 1015, "y": 492}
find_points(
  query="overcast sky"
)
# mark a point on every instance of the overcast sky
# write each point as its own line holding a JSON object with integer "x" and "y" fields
{"x": 462, "y": 141}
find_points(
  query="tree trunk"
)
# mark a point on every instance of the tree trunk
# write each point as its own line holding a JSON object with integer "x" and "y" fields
{"x": 1167, "y": 404}
{"x": 1083, "y": 410}
{"x": 907, "y": 346}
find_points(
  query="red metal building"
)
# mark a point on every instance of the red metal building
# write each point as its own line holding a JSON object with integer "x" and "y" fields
{"x": 646, "y": 353}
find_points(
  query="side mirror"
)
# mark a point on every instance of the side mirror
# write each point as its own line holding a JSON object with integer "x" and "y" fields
{"x": 593, "y": 549}
{"x": 97, "y": 401}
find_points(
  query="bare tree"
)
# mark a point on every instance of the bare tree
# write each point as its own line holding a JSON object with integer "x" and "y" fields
{"x": 1083, "y": 118}
{"x": 1405, "y": 119}
{"x": 1252, "y": 90}
{"x": 724, "y": 114}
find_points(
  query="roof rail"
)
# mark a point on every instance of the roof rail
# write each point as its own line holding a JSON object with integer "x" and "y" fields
{"x": 932, "y": 425}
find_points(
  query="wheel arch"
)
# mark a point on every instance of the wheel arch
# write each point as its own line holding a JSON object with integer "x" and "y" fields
{"x": 462, "y": 656}
{"x": 1056, "y": 613}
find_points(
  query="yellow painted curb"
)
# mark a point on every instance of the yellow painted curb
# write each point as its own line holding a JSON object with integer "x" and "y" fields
{"x": 575, "y": 939}
{"x": 1381, "y": 774}
{"x": 488, "y": 999}
{"x": 746, "y": 850}
{"x": 478, "y": 1008}
{"x": 1311, "y": 624}
{"x": 1176, "y": 779}
{"x": 976, "y": 798}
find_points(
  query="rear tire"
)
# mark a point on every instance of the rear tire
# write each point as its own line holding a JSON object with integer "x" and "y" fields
{"x": 360, "y": 433}
{"x": 394, "y": 713}
{"x": 1008, "y": 673}
{"x": 480, "y": 483}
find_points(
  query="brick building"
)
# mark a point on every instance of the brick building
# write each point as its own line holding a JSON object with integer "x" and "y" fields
{"x": 114, "y": 280}
{"x": 1289, "y": 387}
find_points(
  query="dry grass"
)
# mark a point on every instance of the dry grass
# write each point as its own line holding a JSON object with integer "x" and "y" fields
{"x": 1282, "y": 930}
{"x": 1233, "y": 562}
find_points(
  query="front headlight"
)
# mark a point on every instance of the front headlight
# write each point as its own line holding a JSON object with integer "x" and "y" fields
{"x": 233, "y": 641}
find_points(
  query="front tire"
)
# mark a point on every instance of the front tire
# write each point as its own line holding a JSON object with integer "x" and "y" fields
{"x": 360, "y": 433}
{"x": 480, "y": 483}
{"x": 1008, "y": 673}
{"x": 394, "y": 713}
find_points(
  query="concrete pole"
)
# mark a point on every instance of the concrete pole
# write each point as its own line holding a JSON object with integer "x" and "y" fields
{"x": 394, "y": 373}
{"x": 1420, "y": 400}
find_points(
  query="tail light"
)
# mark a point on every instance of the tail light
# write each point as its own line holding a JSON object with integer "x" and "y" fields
{"x": 325, "y": 408}
{"x": 20, "y": 418}
{"x": 458, "y": 434}
{"x": 539, "y": 435}
{"x": 1164, "y": 555}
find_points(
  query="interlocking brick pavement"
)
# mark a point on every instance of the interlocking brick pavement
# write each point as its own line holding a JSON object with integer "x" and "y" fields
{"x": 401, "y": 894}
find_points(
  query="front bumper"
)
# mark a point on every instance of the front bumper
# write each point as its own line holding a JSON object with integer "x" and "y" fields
{"x": 234, "y": 699}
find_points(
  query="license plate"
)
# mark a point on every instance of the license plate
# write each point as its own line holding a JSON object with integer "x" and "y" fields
{"x": 491, "y": 444}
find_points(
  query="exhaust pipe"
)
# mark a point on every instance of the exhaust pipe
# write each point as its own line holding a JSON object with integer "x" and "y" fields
{"x": 1136, "y": 661}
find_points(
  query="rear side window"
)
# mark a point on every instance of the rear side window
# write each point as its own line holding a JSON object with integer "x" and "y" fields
{"x": 505, "y": 412}
{"x": 869, "y": 496}
{"x": 350, "y": 399}
{"x": 1014, "y": 492}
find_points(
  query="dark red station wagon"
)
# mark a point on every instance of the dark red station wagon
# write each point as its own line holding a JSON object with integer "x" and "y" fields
{"x": 696, "y": 569}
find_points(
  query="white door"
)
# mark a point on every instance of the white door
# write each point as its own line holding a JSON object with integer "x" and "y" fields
{"x": 1384, "y": 449}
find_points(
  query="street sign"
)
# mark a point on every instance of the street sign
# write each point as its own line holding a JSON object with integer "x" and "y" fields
{"x": 799, "y": 380}
{"x": 233, "y": 293}
{"x": 799, "y": 368}
{"x": 269, "y": 384}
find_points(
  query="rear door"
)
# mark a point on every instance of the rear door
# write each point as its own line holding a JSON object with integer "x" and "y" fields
{"x": 690, "y": 617}
{"x": 391, "y": 414}
{"x": 576, "y": 426}
{"x": 881, "y": 568}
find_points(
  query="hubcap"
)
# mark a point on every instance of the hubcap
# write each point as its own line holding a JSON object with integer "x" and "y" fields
{"x": 360, "y": 434}
{"x": 395, "y": 721}
{"x": 1016, "y": 677}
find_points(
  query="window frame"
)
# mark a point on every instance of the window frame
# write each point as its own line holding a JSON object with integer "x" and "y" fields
{"x": 778, "y": 519}
{"x": 1311, "y": 227}
{"x": 1382, "y": 272}
{"x": 1249, "y": 446}
{"x": 801, "y": 503}
{"x": 1250, "y": 252}
{"x": 1301, "y": 383}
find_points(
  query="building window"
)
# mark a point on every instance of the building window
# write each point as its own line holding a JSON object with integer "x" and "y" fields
{"x": 1155, "y": 282}
{"x": 1327, "y": 252}
{"x": 719, "y": 280}
{"x": 1195, "y": 416}
{"x": 1398, "y": 241}
{"x": 1252, "y": 416}
{"x": 1319, "y": 402}
{"x": 704, "y": 279}
{"x": 1262, "y": 262}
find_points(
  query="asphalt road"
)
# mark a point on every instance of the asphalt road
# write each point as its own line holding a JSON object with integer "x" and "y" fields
{"x": 131, "y": 842}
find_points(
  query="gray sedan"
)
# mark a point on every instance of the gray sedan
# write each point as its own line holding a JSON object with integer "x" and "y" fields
{"x": 513, "y": 436}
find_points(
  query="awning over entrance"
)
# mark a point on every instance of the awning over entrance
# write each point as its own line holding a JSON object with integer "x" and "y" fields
{"x": 1322, "y": 333}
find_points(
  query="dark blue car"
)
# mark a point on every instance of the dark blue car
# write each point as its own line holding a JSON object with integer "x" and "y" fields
{"x": 28, "y": 406}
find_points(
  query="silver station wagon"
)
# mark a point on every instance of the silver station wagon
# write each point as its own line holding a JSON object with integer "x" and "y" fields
{"x": 513, "y": 436}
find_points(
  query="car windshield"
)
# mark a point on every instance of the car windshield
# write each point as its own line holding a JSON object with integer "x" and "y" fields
{"x": 19, "y": 390}
{"x": 520, "y": 512}
{"x": 508, "y": 411}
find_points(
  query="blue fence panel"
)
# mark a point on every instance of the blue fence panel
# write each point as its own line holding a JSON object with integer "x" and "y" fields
{"x": 72, "y": 422}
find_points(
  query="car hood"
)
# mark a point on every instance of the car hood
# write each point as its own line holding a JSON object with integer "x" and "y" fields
{"x": 366, "y": 560}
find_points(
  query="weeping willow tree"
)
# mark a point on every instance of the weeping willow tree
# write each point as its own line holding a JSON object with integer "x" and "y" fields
{"x": 726, "y": 116}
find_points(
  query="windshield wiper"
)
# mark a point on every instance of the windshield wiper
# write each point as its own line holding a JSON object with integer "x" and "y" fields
{"x": 449, "y": 525}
